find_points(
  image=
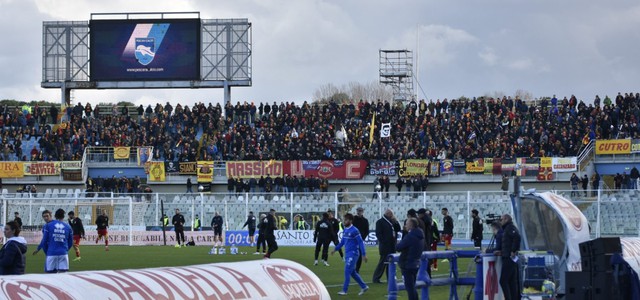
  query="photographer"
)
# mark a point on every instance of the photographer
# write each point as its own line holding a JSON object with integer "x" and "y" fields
{"x": 495, "y": 245}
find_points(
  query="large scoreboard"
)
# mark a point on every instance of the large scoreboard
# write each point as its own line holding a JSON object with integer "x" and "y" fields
{"x": 130, "y": 50}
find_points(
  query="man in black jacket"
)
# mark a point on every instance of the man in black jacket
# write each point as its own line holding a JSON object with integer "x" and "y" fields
{"x": 178, "y": 226}
{"x": 362, "y": 224}
{"x": 269, "y": 234}
{"x": 509, "y": 252}
{"x": 335, "y": 224}
{"x": 216, "y": 225}
{"x": 476, "y": 232}
{"x": 387, "y": 229}
{"x": 322, "y": 236}
{"x": 251, "y": 222}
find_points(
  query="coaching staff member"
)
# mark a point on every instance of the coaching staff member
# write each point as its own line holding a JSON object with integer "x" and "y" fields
{"x": 387, "y": 229}
{"x": 269, "y": 234}
{"x": 510, "y": 248}
{"x": 178, "y": 226}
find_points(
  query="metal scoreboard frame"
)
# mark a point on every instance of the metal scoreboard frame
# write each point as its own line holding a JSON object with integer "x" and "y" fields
{"x": 224, "y": 55}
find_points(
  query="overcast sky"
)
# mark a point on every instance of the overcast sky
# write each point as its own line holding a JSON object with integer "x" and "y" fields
{"x": 470, "y": 48}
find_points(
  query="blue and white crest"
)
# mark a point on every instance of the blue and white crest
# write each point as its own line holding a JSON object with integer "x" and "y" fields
{"x": 145, "y": 50}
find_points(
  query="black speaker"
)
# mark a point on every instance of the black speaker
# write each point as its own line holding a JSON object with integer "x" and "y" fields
{"x": 606, "y": 245}
{"x": 578, "y": 285}
{"x": 605, "y": 287}
{"x": 597, "y": 263}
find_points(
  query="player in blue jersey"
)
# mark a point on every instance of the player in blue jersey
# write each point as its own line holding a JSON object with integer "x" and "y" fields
{"x": 354, "y": 247}
{"x": 57, "y": 239}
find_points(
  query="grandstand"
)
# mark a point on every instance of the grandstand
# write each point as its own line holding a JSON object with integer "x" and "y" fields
{"x": 455, "y": 129}
{"x": 460, "y": 129}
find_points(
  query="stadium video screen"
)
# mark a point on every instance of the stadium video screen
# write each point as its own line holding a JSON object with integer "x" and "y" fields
{"x": 135, "y": 50}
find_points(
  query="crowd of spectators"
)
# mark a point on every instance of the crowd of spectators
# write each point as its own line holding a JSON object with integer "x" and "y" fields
{"x": 459, "y": 129}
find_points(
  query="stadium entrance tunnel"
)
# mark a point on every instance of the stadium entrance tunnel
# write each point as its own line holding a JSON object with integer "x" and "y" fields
{"x": 259, "y": 279}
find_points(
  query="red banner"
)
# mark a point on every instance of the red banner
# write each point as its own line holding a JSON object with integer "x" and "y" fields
{"x": 330, "y": 169}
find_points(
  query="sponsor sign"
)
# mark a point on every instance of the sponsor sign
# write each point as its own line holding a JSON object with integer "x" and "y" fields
{"x": 48, "y": 168}
{"x": 382, "y": 167}
{"x": 119, "y": 235}
{"x": 71, "y": 175}
{"x": 156, "y": 171}
{"x": 545, "y": 172}
{"x": 11, "y": 169}
{"x": 564, "y": 164}
{"x": 330, "y": 169}
{"x": 121, "y": 152}
{"x": 187, "y": 168}
{"x": 613, "y": 146}
{"x": 66, "y": 165}
{"x": 204, "y": 170}
{"x": 635, "y": 146}
{"x": 446, "y": 167}
{"x": 491, "y": 270}
{"x": 413, "y": 167}
{"x": 254, "y": 169}
{"x": 475, "y": 166}
{"x": 265, "y": 279}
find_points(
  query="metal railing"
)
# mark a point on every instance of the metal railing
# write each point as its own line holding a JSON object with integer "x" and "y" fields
{"x": 612, "y": 213}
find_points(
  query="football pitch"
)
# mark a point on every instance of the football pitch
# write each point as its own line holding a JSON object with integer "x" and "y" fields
{"x": 137, "y": 257}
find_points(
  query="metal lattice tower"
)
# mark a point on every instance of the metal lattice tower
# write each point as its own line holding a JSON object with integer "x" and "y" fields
{"x": 396, "y": 70}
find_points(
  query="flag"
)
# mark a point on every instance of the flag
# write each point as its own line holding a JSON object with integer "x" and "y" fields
{"x": 373, "y": 126}
{"x": 121, "y": 152}
{"x": 156, "y": 171}
{"x": 385, "y": 130}
{"x": 344, "y": 133}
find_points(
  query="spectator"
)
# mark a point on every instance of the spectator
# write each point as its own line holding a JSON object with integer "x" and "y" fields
{"x": 585, "y": 184}
{"x": 573, "y": 181}
{"x": 12, "y": 255}
{"x": 595, "y": 183}
{"x": 634, "y": 175}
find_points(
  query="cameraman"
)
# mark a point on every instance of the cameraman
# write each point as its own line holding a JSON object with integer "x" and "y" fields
{"x": 495, "y": 245}
{"x": 476, "y": 233}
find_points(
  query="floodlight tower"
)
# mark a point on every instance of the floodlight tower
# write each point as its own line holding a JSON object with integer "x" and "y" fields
{"x": 396, "y": 70}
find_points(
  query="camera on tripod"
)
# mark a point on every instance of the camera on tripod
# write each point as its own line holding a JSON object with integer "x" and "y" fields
{"x": 492, "y": 218}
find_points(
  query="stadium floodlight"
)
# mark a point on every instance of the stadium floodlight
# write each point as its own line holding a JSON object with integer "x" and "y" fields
{"x": 146, "y": 51}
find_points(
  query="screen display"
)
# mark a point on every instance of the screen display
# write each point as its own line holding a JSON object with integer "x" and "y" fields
{"x": 134, "y": 50}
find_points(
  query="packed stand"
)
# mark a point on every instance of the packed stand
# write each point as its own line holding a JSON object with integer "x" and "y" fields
{"x": 456, "y": 129}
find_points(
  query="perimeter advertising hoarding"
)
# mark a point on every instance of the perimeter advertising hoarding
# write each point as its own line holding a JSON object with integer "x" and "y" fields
{"x": 138, "y": 50}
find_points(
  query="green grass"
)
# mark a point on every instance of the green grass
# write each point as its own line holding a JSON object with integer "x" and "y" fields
{"x": 125, "y": 257}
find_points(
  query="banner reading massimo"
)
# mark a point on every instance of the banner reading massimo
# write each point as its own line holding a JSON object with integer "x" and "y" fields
{"x": 254, "y": 168}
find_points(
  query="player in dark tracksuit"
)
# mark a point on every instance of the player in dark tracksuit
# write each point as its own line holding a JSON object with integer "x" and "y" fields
{"x": 269, "y": 232}
{"x": 323, "y": 236}
{"x": 251, "y": 222}
{"x": 261, "y": 230}
{"x": 336, "y": 227}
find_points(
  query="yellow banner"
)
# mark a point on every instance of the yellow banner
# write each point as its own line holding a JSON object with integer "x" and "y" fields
{"x": 45, "y": 168}
{"x": 11, "y": 169}
{"x": 156, "y": 171}
{"x": 121, "y": 152}
{"x": 545, "y": 162}
{"x": 475, "y": 166}
{"x": 613, "y": 147}
{"x": 413, "y": 167}
{"x": 204, "y": 170}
